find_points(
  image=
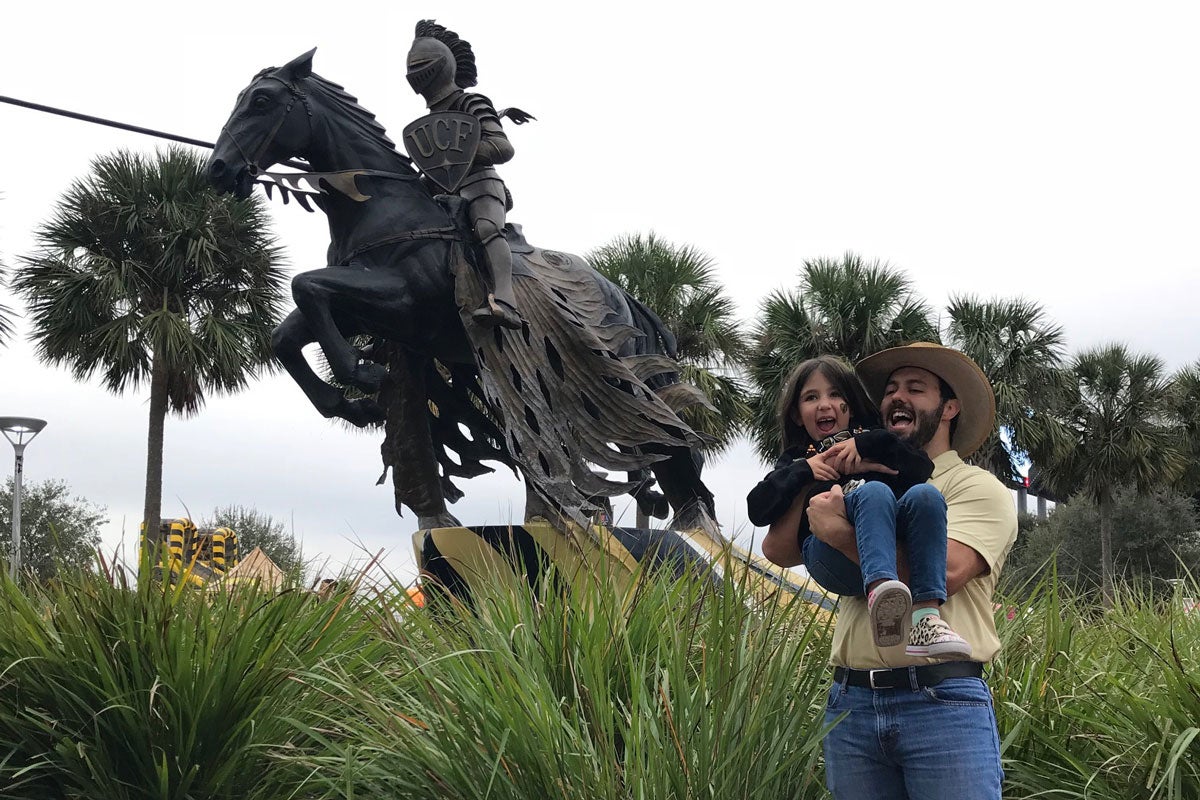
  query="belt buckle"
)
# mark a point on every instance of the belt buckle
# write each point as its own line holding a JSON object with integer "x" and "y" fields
{"x": 871, "y": 678}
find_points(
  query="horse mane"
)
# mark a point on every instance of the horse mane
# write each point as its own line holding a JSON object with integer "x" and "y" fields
{"x": 351, "y": 111}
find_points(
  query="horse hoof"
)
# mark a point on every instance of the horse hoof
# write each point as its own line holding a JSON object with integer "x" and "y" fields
{"x": 362, "y": 413}
{"x": 369, "y": 377}
{"x": 653, "y": 504}
{"x": 443, "y": 519}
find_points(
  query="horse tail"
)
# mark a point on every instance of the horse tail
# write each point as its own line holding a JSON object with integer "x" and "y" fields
{"x": 657, "y": 338}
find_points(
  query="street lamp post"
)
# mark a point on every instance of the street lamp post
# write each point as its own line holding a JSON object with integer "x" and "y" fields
{"x": 20, "y": 432}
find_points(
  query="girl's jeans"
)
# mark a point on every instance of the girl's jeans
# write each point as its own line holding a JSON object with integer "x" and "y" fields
{"x": 917, "y": 519}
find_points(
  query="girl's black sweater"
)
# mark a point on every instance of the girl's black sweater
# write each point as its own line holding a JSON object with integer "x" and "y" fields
{"x": 775, "y": 493}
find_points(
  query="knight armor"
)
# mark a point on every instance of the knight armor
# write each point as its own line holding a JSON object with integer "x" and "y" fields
{"x": 441, "y": 66}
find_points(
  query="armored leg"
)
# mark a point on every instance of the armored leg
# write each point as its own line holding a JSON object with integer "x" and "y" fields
{"x": 487, "y": 219}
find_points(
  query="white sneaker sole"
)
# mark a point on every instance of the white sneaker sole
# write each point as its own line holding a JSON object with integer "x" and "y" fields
{"x": 943, "y": 650}
{"x": 891, "y": 614}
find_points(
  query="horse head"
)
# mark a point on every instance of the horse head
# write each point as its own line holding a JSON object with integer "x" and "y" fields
{"x": 271, "y": 121}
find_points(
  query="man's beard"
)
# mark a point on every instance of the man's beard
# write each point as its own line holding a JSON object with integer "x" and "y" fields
{"x": 925, "y": 425}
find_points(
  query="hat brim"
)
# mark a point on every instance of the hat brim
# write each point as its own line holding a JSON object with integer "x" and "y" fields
{"x": 977, "y": 401}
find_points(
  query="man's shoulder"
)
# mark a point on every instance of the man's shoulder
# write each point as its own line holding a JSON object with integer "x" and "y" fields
{"x": 961, "y": 476}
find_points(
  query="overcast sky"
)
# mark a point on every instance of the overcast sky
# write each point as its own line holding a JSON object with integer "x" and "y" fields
{"x": 1034, "y": 148}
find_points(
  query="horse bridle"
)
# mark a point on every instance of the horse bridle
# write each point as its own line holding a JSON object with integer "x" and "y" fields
{"x": 269, "y": 139}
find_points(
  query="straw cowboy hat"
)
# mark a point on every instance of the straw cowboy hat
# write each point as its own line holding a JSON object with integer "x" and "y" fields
{"x": 977, "y": 401}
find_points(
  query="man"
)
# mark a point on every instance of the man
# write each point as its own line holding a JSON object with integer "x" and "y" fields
{"x": 916, "y": 727}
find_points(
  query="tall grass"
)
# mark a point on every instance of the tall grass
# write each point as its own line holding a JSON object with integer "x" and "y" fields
{"x": 145, "y": 691}
{"x": 683, "y": 691}
{"x": 686, "y": 689}
{"x": 1100, "y": 704}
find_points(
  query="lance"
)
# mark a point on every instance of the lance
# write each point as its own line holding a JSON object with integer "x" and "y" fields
{"x": 62, "y": 112}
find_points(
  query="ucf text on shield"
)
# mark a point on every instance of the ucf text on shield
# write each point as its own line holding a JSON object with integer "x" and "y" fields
{"x": 443, "y": 145}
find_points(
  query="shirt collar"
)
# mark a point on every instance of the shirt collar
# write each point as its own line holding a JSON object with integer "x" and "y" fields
{"x": 947, "y": 460}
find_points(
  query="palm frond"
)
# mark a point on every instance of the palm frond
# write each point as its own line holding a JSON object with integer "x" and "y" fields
{"x": 847, "y": 307}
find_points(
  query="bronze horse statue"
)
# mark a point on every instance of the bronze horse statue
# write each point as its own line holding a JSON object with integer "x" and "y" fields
{"x": 588, "y": 380}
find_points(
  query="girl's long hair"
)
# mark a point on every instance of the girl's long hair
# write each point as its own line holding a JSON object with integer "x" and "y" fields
{"x": 863, "y": 412}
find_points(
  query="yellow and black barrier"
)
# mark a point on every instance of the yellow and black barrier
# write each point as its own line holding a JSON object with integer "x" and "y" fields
{"x": 188, "y": 554}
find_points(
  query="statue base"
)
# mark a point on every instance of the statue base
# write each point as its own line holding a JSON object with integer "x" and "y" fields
{"x": 455, "y": 558}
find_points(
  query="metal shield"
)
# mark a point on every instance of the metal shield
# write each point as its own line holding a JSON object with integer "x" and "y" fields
{"x": 443, "y": 145}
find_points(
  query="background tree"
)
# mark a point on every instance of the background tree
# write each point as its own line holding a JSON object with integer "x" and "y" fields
{"x": 1154, "y": 537}
{"x": 145, "y": 274}
{"x": 845, "y": 307}
{"x": 6, "y": 314}
{"x": 678, "y": 282}
{"x": 1022, "y": 354}
{"x": 1184, "y": 402}
{"x": 256, "y": 529}
{"x": 1120, "y": 435}
{"x": 56, "y": 529}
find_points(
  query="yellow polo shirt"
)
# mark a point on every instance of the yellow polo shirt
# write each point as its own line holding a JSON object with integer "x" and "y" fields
{"x": 980, "y": 513}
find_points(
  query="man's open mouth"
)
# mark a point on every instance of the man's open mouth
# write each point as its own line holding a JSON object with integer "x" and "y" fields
{"x": 900, "y": 419}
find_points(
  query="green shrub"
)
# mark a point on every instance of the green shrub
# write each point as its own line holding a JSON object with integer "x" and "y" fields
{"x": 684, "y": 691}
{"x": 117, "y": 691}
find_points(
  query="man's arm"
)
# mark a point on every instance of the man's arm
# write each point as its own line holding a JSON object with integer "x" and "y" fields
{"x": 782, "y": 543}
{"x": 827, "y": 518}
{"x": 963, "y": 564}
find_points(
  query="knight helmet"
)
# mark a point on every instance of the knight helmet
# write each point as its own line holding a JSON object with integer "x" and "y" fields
{"x": 439, "y": 63}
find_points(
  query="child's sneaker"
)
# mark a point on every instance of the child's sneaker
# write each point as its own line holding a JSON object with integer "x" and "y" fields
{"x": 934, "y": 637}
{"x": 890, "y": 607}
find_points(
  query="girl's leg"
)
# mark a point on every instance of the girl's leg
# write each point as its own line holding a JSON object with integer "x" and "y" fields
{"x": 921, "y": 525}
{"x": 830, "y": 569}
{"x": 871, "y": 509}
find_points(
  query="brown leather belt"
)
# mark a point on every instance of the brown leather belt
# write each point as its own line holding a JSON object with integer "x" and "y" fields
{"x": 907, "y": 677}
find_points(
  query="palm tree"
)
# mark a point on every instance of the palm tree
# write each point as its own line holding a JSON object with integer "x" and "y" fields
{"x": 6, "y": 326}
{"x": 1021, "y": 352}
{"x": 6, "y": 314}
{"x": 1184, "y": 401}
{"x": 146, "y": 275}
{"x": 1121, "y": 437}
{"x": 846, "y": 307}
{"x": 679, "y": 283}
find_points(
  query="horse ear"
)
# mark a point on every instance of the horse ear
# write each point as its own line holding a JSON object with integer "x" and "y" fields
{"x": 299, "y": 67}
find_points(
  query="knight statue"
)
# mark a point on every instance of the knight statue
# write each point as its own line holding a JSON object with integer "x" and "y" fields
{"x": 457, "y": 147}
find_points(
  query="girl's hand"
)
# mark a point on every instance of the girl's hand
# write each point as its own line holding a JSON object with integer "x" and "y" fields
{"x": 822, "y": 470}
{"x": 844, "y": 457}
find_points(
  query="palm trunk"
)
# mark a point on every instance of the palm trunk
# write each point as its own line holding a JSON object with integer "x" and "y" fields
{"x": 152, "y": 509}
{"x": 1106, "y": 557}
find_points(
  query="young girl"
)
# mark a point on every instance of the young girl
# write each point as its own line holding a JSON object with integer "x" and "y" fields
{"x": 827, "y": 419}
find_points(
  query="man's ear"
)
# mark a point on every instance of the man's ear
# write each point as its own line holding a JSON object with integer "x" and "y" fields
{"x": 950, "y": 409}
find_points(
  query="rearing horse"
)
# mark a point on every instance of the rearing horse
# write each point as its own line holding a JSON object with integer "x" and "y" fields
{"x": 569, "y": 389}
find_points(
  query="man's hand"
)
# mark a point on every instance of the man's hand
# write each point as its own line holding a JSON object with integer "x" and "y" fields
{"x": 827, "y": 520}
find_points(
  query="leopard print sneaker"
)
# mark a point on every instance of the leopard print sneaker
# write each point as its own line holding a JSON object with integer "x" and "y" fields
{"x": 933, "y": 637}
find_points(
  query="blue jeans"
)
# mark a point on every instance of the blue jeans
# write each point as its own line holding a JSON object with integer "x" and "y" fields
{"x": 881, "y": 522}
{"x": 896, "y": 744}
